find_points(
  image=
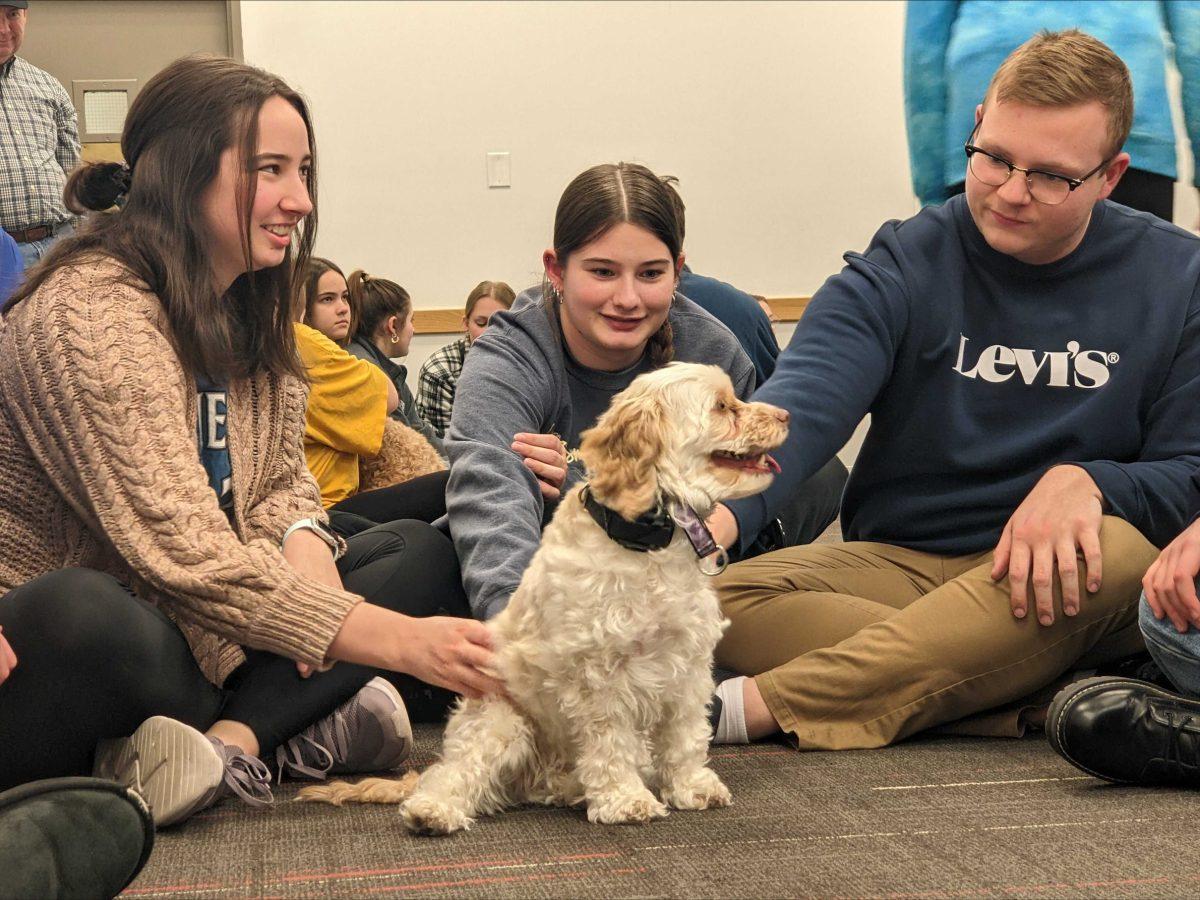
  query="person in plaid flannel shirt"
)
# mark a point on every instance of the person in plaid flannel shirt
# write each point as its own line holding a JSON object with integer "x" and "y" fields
{"x": 39, "y": 144}
{"x": 439, "y": 374}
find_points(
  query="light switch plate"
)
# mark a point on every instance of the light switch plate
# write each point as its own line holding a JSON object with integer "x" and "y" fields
{"x": 499, "y": 169}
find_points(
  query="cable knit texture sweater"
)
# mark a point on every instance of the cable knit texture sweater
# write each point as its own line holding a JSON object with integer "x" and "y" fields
{"x": 99, "y": 468}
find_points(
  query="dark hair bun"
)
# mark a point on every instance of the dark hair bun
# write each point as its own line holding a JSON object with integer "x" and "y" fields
{"x": 95, "y": 186}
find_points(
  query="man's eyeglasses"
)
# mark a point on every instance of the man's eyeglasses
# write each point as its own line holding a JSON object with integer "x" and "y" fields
{"x": 1049, "y": 188}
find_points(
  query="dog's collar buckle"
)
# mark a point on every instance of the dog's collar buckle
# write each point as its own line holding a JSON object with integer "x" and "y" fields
{"x": 700, "y": 538}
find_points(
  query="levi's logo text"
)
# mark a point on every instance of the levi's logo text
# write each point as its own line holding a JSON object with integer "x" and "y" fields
{"x": 1070, "y": 367}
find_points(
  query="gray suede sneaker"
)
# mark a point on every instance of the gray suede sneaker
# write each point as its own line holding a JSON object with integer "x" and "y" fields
{"x": 72, "y": 838}
{"x": 179, "y": 771}
{"x": 370, "y": 732}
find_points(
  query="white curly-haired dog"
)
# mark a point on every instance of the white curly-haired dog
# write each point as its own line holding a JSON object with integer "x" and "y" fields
{"x": 606, "y": 646}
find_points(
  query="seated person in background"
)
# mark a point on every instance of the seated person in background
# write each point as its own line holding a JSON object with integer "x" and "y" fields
{"x": 1030, "y": 357}
{"x": 349, "y": 400}
{"x": 382, "y": 332}
{"x": 765, "y": 306}
{"x": 736, "y": 310}
{"x": 740, "y": 313}
{"x": 439, "y": 374}
{"x": 173, "y": 598}
{"x": 1132, "y": 731}
{"x": 327, "y": 306}
{"x": 544, "y": 370}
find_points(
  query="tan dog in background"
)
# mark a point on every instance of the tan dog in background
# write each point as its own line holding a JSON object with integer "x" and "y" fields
{"x": 606, "y": 651}
{"x": 403, "y": 456}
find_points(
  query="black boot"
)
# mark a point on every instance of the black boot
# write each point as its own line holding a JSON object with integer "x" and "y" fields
{"x": 1127, "y": 731}
{"x": 72, "y": 837}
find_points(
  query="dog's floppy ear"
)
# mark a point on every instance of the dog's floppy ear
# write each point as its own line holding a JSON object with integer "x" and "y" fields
{"x": 621, "y": 451}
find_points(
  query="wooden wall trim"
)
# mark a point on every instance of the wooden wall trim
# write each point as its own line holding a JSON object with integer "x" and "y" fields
{"x": 449, "y": 321}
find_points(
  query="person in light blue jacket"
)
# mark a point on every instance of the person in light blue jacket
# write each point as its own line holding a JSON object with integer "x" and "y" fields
{"x": 952, "y": 47}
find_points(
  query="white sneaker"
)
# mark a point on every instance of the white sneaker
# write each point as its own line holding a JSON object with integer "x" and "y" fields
{"x": 179, "y": 771}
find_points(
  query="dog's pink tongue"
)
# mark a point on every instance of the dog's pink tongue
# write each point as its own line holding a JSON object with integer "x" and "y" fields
{"x": 772, "y": 464}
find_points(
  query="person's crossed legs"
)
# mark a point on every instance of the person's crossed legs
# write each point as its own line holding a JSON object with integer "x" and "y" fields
{"x": 859, "y": 645}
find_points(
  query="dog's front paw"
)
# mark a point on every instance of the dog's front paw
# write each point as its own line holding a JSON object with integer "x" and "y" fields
{"x": 625, "y": 808}
{"x": 427, "y": 815}
{"x": 701, "y": 789}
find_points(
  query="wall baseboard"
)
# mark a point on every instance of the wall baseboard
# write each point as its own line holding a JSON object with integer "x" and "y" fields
{"x": 449, "y": 321}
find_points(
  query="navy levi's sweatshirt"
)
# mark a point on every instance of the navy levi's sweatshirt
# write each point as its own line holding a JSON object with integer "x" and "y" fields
{"x": 981, "y": 372}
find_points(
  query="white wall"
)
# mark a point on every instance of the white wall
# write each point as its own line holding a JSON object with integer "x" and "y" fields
{"x": 784, "y": 121}
{"x": 764, "y": 110}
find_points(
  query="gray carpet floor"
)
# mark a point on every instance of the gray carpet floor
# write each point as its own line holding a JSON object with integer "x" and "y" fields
{"x": 937, "y": 817}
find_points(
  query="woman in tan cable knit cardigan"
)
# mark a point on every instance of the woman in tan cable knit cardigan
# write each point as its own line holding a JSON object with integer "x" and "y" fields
{"x": 162, "y": 544}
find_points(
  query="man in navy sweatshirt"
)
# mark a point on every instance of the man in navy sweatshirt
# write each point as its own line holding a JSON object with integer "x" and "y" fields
{"x": 1029, "y": 354}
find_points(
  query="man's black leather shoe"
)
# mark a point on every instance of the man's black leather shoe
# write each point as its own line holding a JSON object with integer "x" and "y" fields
{"x": 1127, "y": 731}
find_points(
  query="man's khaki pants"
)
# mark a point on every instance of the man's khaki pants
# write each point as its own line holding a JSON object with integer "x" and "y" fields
{"x": 861, "y": 644}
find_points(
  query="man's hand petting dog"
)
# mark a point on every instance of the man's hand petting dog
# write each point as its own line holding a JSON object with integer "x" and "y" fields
{"x": 1059, "y": 519}
{"x": 545, "y": 455}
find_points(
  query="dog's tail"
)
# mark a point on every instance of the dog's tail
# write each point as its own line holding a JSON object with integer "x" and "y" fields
{"x": 369, "y": 790}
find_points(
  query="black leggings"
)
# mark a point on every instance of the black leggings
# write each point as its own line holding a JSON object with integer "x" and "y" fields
{"x": 421, "y": 498}
{"x": 94, "y": 662}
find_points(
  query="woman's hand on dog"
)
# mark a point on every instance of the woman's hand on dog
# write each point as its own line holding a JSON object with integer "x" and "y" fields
{"x": 455, "y": 654}
{"x": 8, "y": 659}
{"x": 545, "y": 455}
{"x": 450, "y": 652}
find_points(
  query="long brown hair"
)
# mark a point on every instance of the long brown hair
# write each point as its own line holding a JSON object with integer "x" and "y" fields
{"x": 607, "y": 195}
{"x": 307, "y": 280}
{"x": 177, "y": 129}
{"x": 375, "y": 299}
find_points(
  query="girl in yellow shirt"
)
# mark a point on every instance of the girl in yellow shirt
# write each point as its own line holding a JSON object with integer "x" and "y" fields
{"x": 348, "y": 403}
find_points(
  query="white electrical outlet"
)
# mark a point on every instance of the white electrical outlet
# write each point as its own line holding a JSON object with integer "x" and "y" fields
{"x": 499, "y": 169}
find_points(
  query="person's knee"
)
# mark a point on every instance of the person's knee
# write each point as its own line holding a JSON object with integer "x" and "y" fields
{"x": 412, "y": 537}
{"x": 1177, "y": 654}
{"x": 1125, "y": 555}
{"x": 1164, "y": 634}
{"x": 80, "y": 621}
{"x": 830, "y": 482}
{"x": 408, "y": 566}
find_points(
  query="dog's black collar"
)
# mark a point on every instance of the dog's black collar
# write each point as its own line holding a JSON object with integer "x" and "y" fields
{"x": 650, "y": 531}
